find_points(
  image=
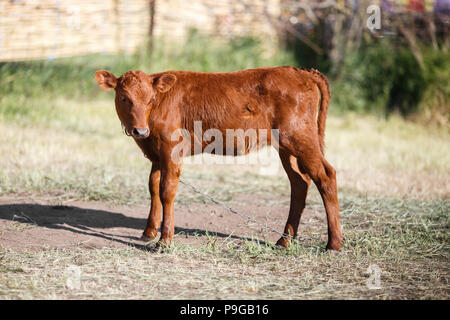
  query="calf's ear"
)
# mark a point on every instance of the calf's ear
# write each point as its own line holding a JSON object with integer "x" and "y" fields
{"x": 164, "y": 82}
{"x": 105, "y": 79}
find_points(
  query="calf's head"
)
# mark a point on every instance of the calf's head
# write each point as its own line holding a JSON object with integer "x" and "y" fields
{"x": 136, "y": 94}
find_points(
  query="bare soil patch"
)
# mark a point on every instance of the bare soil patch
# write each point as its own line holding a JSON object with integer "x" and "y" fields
{"x": 34, "y": 224}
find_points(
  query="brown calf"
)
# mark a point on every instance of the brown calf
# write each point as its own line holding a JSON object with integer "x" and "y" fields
{"x": 152, "y": 107}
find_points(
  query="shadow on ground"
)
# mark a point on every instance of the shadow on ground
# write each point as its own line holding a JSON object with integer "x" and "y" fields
{"x": 101, "y": 224}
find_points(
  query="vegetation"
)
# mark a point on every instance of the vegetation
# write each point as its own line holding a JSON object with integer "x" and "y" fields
{"x": 385, "y": 78}
{"x": 400, "y": 67}
{"x": 407, "y": 241}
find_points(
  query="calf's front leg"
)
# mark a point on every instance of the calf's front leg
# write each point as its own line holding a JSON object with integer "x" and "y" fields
{"x": 154, "y": 217}
{"x": 170, "y": 177}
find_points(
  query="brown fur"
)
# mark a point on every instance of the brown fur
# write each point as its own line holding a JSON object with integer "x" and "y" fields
{"x": 283, "y": 98}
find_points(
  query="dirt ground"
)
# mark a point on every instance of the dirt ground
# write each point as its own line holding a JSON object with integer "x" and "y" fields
{"x": 34, "y": 224}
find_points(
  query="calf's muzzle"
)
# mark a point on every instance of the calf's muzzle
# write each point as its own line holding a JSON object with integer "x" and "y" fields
{"x": 140, "y": 133}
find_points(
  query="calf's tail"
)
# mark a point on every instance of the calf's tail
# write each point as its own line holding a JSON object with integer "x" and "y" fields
{"x": 324, "y": 88}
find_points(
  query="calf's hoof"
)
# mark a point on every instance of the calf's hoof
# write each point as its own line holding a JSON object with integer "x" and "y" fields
{"x": 149, "y": 235}
{"x": 283, "y": 242}
{"x": 144, "y": 238}
{"x": 334, "y": 246}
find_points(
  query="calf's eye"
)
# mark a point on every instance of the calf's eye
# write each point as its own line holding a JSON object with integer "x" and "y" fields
{"x": 123, "y": 99}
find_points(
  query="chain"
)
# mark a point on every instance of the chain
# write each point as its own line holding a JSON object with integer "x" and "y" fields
{"x": 242, "y": 215}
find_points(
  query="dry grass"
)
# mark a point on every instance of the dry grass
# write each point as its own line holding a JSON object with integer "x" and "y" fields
{"x": 390, "y": 157}
{"x": 408, "y": 242}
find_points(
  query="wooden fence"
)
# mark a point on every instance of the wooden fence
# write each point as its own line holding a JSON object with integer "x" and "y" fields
{"x": 222, "y": 18}
{"x": 48, "y": 29}
{"x": 31, "y": 29}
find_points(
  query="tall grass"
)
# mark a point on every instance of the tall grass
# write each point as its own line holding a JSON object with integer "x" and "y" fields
{"x": 385, "y": 78}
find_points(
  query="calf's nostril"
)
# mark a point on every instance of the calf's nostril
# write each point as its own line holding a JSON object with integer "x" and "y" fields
{"x": 140, "y": 132}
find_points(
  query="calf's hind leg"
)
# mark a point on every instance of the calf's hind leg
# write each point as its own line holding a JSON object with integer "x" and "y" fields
{"x": 299, "y": 188}
{"x": 309, "y": 156}
{"x": 328, "y": 190}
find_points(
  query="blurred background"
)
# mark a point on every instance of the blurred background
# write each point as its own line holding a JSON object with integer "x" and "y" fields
{"x": 387, "y": 62}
